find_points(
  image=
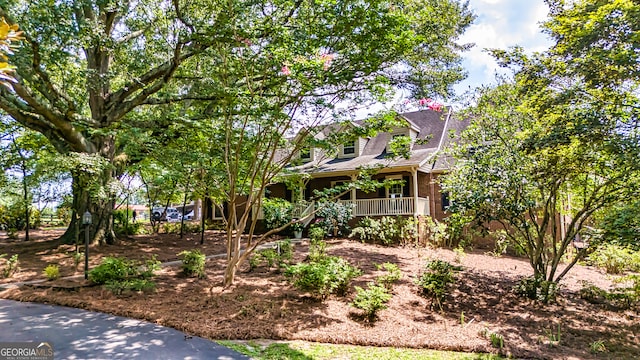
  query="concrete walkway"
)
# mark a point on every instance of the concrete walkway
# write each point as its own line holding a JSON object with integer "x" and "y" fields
{"x": 81, "y": 334}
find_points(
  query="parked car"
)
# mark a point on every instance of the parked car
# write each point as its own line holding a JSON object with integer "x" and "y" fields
{"x": 169, "y": 214}
{"x": 189, "y": 215}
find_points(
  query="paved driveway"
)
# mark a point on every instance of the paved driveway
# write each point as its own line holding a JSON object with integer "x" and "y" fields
{"x": 81, "y": 334}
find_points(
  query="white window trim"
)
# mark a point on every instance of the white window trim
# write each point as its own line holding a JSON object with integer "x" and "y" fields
{"x": 349, "y": 155}
{"x": 394, "y": 177}
{"x": 306, "y": 159}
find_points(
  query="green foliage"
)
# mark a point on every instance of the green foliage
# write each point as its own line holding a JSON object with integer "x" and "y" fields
{"x": 624, "y": 295}
{"x": 537, "y": 288}
{"x": 387, "y": 230}
{"x": 597, "y": 347}
{"x": 193, "y": 263}
{"x": 174, "y": 228}
{"x": 77, "y": 258}
{"x": 393, "y": 274}
{"x": 316, "y": 233}
{"x": 371, "y": 300}
{"x": 10, "y": 266}
{"x": 615, "y": 258}
{"x": 277, "y": 212}
{"x": 13, "y": 217}
{"x": 51, "y": 272}
{"x": 280, "y": 255}
{"x": 317, "y": 249}
{"x": 323, "y": 276}
{"x": 621, "y": 225}
{"x": 334, "y": 217}
{"x": 437, "y": 232}
{"x": 436, "y": 279}
{"x": 497, "y": 340}
{"x": 138, "y": 285}
{"x": 113, "y": 269}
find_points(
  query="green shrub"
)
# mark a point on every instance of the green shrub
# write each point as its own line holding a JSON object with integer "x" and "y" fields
{"x": 387, "y": 230}
{"x": 279, "y": 255}
{"x": 322, "y": 277}
{"x": 139, "y": 285}
{"x": 437, "y": 232}
{"x": 317, "y": 249}
{"x": 334, "y": 217}
{"x": 368, "y": 230}
{"x": 277, "y": 212}
{"x": 592, "y": 293}
{"x": 536, "y": 288}
{"x": 316, "y": 233}
{"x": 12, "y": 216}
{"x": 614, "y": 259}
{"x": 77, "y": 258}
{"x": 10, "y": 266}
{"x": 113, "y": 269}
{"x": 193, "y": 263}
{"x": 51, "y": 272}
{"x": 436, "y": 279}
{"x": 597, "y": 347}
{"x": 371, "y": 300}
{"x": 393, "y": 274}
{"x": 190, "y": 227}
{"x": 497, "y": 340}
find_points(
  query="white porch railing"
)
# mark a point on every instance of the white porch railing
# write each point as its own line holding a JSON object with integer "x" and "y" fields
{"x": 370, "y": 207}
{"x": 383, "y": 207}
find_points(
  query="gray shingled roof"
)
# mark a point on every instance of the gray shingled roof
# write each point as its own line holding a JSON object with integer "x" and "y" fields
{"x": 430, "y": 123}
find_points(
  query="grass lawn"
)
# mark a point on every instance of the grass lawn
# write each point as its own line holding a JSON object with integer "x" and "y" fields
{"x": 300, "y": 350}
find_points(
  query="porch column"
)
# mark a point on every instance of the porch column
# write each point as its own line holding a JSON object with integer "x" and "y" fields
{"x": 354, "y": 177}
{"x": 414, "y": 173}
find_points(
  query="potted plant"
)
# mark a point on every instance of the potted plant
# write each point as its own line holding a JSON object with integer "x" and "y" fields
{"x": 297, "y": 228}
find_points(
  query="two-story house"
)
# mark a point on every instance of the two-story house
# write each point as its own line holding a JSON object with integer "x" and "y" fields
{"x": 430, "y": 132}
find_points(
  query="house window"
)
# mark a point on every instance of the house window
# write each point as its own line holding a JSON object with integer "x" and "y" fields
{"x": 445, "y": 201}
{"x": 395, "y": 190}
{"x": 349, "y": 148}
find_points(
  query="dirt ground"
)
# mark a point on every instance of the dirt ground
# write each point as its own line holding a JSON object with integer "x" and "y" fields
{"x": 262, "y": 305}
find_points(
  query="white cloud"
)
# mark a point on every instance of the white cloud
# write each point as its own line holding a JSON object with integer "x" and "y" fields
{"x": 501, "y": 24}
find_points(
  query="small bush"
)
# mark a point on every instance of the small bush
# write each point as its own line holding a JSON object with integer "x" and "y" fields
{"x": 371, "y": 300}
{"x": 388, "y": 230}
{"x": 592, "y": 293}
{"x": 497, "y": 340}
{"x": 174, "y": 228}
{"x": 537, "y": 288}
{"x": 277, "y": 212}
{"x": 51, "y": 272}
{"x": 77, "y": 258}
{"x": 113, "y": 269}
{"x": 317, "y": 249}
{"x": 436, "y": 279}
{"x": 10, "y": 266}
{"x": 334, "y": 217}
{"x": 614, "y": 259}
{"x": 393, "y": 274}
{"x": 193, "y": 263}
{"x": 139, "y": 285}
{"x": 597, "y": 347}
{"x": 279, "y": 255}
{"x": 316, "y": 233}
{"x": 322, "y": 277}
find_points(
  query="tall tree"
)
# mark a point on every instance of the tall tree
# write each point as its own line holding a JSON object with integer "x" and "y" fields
{"x": 292, "y": 64}
{"x": 89, "y": 68}
{"x": 562, "y": 140}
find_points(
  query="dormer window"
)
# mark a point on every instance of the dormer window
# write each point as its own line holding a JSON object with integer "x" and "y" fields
{"x": 305, "y": 153}
{"x": 398, "y": 139}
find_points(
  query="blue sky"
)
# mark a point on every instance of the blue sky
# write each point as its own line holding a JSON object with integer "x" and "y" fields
{"x": 500, "y": 24}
